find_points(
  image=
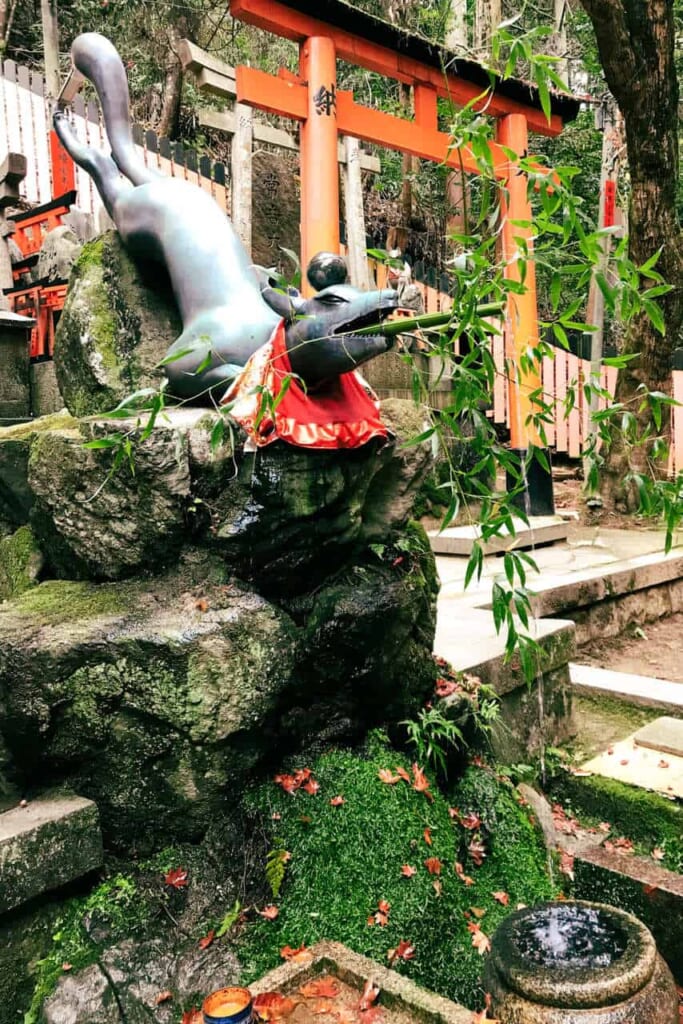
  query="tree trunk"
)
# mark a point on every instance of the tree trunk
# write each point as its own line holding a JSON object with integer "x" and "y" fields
{"x": 636, "y": 44}
{"x": 456, "y": 39}
{"x": 487, "y": 18}
{"x": 173, "y": 83}
{"x": 7, "y": 9}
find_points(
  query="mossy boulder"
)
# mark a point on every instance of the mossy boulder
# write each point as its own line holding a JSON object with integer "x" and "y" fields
{"x": 21, "y": 561}
{"x": 115, "y": 327}
{"x": 158, "y": 698}
{"x": 283, "y": 518}
{"x": 16, "y": 497}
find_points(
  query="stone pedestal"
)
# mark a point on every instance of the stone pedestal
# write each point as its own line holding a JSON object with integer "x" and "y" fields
{"x": 15, "y": 391}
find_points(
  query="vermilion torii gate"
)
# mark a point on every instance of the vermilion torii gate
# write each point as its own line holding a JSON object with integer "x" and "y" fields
{"x": 331, "y": 29}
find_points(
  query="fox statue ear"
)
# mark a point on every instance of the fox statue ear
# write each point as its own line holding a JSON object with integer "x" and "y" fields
{"x": 284, "y": 303}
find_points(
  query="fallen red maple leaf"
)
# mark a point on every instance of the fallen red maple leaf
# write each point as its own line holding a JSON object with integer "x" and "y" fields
{"x": 270, "y": 912}
{"x": 404, "y": 951}
{"x": 478, "y": 912}
{"x": 311, "y": 786}
{"x": 402, "y": 773}
{"x": 202, "y": 605}
{"x": 502, "y": 897}
{"x": 477, "y": 851}
{"x": 273, "y": 1006}
{"x": 386, "y": 775}
{"x": 427, "y": 836}
{"x": 445, "y": 687}
{"x": 299, "y": 956}
{"x": 163, "y": 997}
{"x": 207, "y": 940}
{"x": 662, "y": 763}
{"x": 454, "y": 813}
{"x": 320, "y": 988}
{"x": 176, "y": 878}
{"x": 470, "y": 820}
{"x": 337, "y": 801}
{"x": 421, "y": 782}
{"x": 433, "y": 865}
{"x": 482, "y": 1016}
{"x": 368, "y": 995}
{"x": 287, "y": 782}
{"x": 407, "y": 870}
{"x": 193, "y": 1016}
{"x": 460, "y": 872}
{"x": 480, "y": 941}
{"x": 372, "y": 1016}
{"x": 567, "y": 864}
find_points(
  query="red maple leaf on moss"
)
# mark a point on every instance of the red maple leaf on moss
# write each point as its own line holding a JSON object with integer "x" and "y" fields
{"x": 193, "y": 1016}
{"x": 176, "y": 878}
{"x": 207, "y": 940}
{"x": 421, "y": 782}
{"x": 299, "y": 956}
{"x": 404, "y": 951}
{"x": 433, "y": 865}
{"x": 407, "y": 870}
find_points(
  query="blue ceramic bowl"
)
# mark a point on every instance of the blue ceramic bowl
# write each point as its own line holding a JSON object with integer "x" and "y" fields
{"x": 228, "y": 1006}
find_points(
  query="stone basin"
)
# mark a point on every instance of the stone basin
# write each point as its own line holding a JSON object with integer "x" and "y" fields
{"x": 400, "y": 999}
{"x": 575, "y": 962}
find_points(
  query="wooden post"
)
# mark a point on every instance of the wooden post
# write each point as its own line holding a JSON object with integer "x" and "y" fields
{"x": 521, "y": 328}
{"x": 319, "y": 173}
{"x": 48, "y": 12}
{"x": 354, "y": 215}
{"x": 242, "y": 174}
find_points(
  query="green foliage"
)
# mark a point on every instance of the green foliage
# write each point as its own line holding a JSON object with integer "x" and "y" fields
{"x": 346, "y": 858}
{"x": 116, "y": 906}
{"x": 433, "y": 737}
{"x": 276, "y": 865}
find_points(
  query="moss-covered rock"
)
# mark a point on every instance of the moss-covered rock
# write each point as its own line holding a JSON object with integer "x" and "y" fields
{"x": 16, "y": 498}
{"x": 158, "y": 698}
{"x": 99, "y": 523}
{"x": 346, "y": 858}
{"x": 114, "y": 329}
{"x": 21, "y": 561}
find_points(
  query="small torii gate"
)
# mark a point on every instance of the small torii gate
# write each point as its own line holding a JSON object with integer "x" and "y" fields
{"x": 329, "y": 29}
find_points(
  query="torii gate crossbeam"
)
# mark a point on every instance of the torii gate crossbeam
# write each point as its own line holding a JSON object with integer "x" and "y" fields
{"x": 328, "y": 29}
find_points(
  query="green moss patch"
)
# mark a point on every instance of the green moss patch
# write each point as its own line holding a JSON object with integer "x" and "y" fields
{"x": 57, "y": 601}
{"x": 647, "y": 818}
{"x": 346, "y": 858}
{"x": 20, "y": 563}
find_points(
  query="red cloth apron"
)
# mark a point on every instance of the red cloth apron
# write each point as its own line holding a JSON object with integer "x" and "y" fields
{"x": 341, "y": 413}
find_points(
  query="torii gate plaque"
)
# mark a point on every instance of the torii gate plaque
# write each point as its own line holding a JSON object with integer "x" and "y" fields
{"x": 327, "y": 29}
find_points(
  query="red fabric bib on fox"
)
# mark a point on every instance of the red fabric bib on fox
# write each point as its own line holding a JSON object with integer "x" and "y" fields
{"x": 340, "y": 413}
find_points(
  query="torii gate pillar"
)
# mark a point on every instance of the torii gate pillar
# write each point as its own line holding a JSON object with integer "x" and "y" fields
{"x": 319, "y": 170}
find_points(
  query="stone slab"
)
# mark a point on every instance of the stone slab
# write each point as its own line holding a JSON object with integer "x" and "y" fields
{"x": 646, "y": 691}
{"x": 467, "y": 639}
{"x": 664, "y": 734}
{"x": 47, "y": 843}
{"x": 640, "y": 886}
{"x": 396, "y": 992}
{"x": 635, "y": 765}
{"x": 459, "y": 540}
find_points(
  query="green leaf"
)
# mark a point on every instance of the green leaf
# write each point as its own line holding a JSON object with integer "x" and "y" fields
{"x": 229, "y": 920}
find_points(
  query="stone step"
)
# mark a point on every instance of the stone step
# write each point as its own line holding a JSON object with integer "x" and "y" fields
{"x": 648, "y": 890}
{"x": 664, "y": 734}
{"x": 45, "y": 844}
{"x": 639, "y": 766}
{"x": 459, "y": 540}
{"x": 632, "y": 689}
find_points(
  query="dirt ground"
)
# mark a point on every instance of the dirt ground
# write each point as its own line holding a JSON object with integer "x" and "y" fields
{"x": 655, "y": 650}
